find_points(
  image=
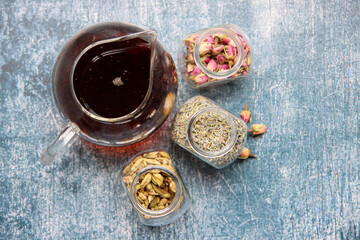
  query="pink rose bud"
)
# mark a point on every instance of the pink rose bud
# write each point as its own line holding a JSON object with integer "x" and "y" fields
{"x": 257, "y": 129}
{"x": 190, "y": 58}
{"x": 245, "y": 114}
{"x": 220, "y": 58}
{"x": 205, "y": 48}
{"x": 210, "y": 39}
{"x": 190, "y": 67}
{"x": 217, "y": 50}
{"x": 212, "y": 65}
{"x": 245, "y": 153}
{"x": 232, "y": 43}
{"x": 243, "y": 41}
{"x": 196, "y": 71}
{"x": 224, "y": 67}
{"x": 226, "y": 40}
{"x": 206, "y": 59}
{"x": 244, "y": 64}
{"x": 237, "y": 33}
{"x": 192, "y": 38}
{"x": 229, "y": 52}
{"x": 201, "y": 78}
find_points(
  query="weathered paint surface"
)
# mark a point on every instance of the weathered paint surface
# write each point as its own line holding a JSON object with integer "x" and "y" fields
{"x": 305, "y": 183}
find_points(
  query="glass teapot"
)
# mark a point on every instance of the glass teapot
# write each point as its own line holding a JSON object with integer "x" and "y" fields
{"x": 114, "y": 83}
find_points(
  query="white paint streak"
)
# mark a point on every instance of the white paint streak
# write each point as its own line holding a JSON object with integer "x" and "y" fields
{"x": 285, "y": 172}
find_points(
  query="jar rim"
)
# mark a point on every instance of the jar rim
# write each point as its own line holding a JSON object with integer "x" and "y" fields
{"x": 163, "y": 212}
{"x": 239, "y": 46}
{"x": 233, "y": 131}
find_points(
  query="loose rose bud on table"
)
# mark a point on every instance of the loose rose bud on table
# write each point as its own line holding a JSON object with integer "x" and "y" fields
{"x": 245, "y": 154}
{"x": 257, "y": 129}
{"x": 245, "y": 114}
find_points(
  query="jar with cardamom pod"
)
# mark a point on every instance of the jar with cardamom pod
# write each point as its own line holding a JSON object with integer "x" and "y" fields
{"x": 155, "y": 188}
{"x": 215, "y": 55}
{"x": 209, "y": 131}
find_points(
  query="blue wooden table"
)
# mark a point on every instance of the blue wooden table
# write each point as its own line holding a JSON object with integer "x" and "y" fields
{"x": 305, "y": 183}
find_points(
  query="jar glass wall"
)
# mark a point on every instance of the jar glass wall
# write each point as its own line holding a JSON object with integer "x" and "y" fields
{"x": 155, "y": 188}
{"x": 209, "y": 132}
{"x": 215, "y": 55}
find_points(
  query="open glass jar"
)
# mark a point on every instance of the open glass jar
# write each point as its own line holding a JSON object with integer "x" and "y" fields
{"x": 209, "y": 132}
{"x": 155, "y": 188}
{"x": 215, "y": 55}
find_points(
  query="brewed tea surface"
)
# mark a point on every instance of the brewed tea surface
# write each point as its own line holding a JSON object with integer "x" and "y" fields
{"x": 111, "y": 79}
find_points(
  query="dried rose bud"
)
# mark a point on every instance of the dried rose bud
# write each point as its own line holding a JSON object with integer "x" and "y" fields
{"x": 205, "y": 48}
{"x": 192, "y": 38}
{"x": 190, "y": 47}
{"x": 226, "y": 40}
{"x": 196, "y": 71}
{"x": 245, "y": 114}
{"x": 220, "y": 58}
{"x": 229, "y": 52}
{"x": 245, "y": 153}
{"x": 206, "y": 59}
{"x": 232, "y": 43}
{"x": 190, "y": 58}
{"x": 224, "y": 67}
{"x": 237, "y": 33}
{"x": 220, "y": 36}
{"x": 212, "y": 65}
{"x": 244, "y": 64}
{"x": 247, "y": 49}
{"x": 248, "y": 60}
{"x": 257, "y": 129}
{"x": 200, "y": 79}
{"x": 217, "y": 50}
{"x": 243, "y": 41}
{"x": 190, "y": 67}
{"x": 210, "y": 39}
{"x": 231, "y": 63}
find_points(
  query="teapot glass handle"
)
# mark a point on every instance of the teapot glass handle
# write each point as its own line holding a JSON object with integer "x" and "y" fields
{"x": 58, "y": 147}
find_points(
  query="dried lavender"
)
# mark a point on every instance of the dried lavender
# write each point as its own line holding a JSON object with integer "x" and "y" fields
{"x": 210, "y": 132}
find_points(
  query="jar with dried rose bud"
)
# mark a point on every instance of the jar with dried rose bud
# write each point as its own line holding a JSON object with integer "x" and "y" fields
{"x": 155, "y": 188}
{"x": 209, "y": 131}
{"x": 215, "y": 55}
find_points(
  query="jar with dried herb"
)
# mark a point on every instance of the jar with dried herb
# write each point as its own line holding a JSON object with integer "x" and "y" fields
{"x": 215, "y": 55}
{"x": 155, "y": 188}
{"x": 209, "y": 131}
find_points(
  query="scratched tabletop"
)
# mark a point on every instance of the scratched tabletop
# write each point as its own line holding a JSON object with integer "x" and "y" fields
{"x": 304, "y": 183}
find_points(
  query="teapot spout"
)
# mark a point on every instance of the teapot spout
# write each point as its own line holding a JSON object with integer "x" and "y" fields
{"x": 150, "y": 38}
{"x": 149, "y": 35}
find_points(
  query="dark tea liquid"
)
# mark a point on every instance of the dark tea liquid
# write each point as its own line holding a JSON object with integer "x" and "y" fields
{"x": 112, "y": 79}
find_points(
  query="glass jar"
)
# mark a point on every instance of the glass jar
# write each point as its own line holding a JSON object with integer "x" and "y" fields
{"x": 215, "y": 55}
{"x": 155, "y": 188}
{"x": 209, "y": 132}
